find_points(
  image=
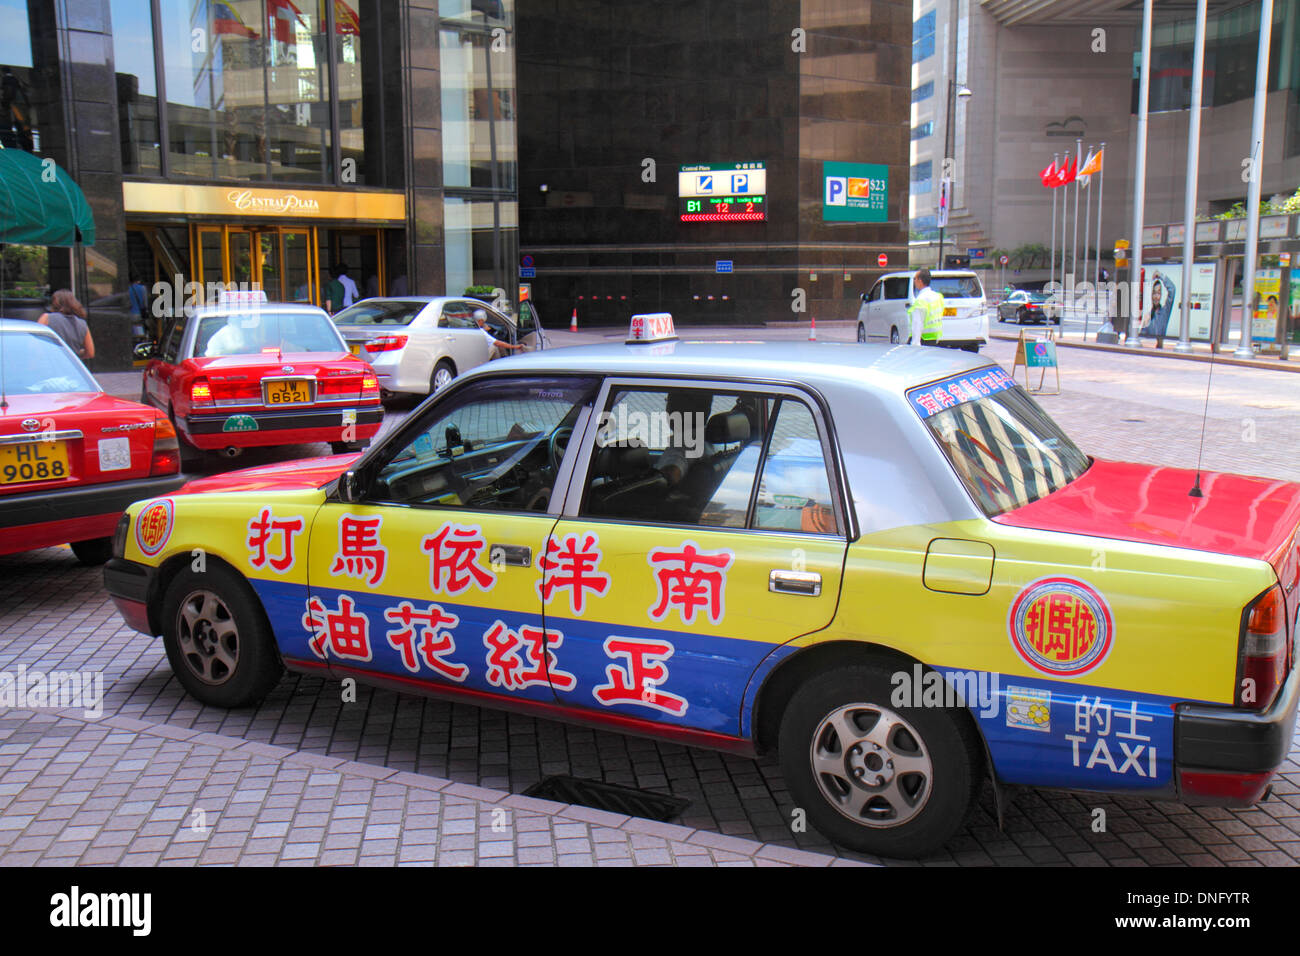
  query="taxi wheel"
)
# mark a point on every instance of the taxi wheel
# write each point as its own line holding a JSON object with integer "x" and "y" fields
{"x": 893, "y": 336}
{"x": 218, "y": 640}
{"x": 94, "y": 551}
{"x": 862, "y": 332}
{"x": 443, "y": 373}
{"x": 893, "y": 781}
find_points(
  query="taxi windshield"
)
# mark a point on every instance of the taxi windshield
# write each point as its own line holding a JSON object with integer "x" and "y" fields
{"x": 1003, "y": 446}
{"x": 245, "y": 333}
{"x": 38, "y": 364}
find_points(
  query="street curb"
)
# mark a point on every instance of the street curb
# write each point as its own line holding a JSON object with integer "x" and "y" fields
{"x": 675, "y": 833}
{"x": 1276, "y": 366}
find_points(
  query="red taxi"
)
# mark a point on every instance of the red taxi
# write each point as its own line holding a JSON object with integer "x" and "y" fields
{"x": 71, "y": 457}
{"x": 246, "y": 372}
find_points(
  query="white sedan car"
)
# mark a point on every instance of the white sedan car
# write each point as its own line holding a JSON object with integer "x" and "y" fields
{"x": 417, "y": 344}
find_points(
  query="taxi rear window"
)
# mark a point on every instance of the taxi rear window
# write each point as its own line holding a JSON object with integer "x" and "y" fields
{"x": 1004, "y": 447}
{"x": 380, "y": 313}
{"x": 37, "y": 364}
{"x": 244, "y": 333}
{"x": 957, "y": 287}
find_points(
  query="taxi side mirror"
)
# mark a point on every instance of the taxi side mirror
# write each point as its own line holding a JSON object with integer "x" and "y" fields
{"x": 349, "y": 488}
{"x": 145, "y": 350}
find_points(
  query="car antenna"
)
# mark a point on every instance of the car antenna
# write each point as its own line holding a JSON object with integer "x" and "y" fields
{"x": 1195, "y": 491}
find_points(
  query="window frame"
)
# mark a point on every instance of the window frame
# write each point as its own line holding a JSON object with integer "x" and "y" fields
{"x": 575, "y": 495}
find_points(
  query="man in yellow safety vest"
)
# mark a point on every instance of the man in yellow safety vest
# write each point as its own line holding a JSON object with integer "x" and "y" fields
{"x": 926, "y": 311}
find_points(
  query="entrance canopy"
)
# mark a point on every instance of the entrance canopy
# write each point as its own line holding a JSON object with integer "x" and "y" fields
{"x": 40, "y": 205}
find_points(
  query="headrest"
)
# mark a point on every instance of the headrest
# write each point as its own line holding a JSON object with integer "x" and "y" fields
{"x": 617, "y": 461}
{"x": 727, "y": 427}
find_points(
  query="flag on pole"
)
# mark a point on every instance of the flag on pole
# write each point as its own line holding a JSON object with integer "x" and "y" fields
{"x": 1091, "y": 167}
{"x": 226, "y": 20}
{"x": 1067, "y": 172}
{"x": 284, "y": 17}
{"x": 1048, "y": 175}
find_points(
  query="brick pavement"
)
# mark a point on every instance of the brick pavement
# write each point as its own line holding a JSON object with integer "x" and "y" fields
{"x": 297, "y": 778}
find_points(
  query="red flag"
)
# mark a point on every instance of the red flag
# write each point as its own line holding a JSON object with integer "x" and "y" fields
{"x": 1048, "y": 176}
{"x": 1067, "y": 173}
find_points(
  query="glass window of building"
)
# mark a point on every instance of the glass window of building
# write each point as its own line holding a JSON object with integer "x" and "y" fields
{"x": 921, "y": 177}
{"x": 923, "y": 130}
{"x": 19, "y": 122}
{"x": 923, "y": 92}
{"x": 923, "y": 37}
{"x": 137, "y": 86}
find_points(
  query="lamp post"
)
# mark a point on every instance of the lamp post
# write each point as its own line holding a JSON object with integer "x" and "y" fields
{"x": 955, "y": 90}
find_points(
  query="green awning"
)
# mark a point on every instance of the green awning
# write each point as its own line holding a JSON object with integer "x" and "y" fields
{"x": 40, "y": 205}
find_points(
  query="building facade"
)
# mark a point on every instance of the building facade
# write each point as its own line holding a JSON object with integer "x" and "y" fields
{"x": 1044, "y": 75}
{"x": 722, "y": 160}
{"x": 267, "y": 141}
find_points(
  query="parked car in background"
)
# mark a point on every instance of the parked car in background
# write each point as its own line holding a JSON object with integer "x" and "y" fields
{"x": 247, "y": 373}
{"x": 1023, "y": 307}
{"x": 418, "y": 344}
{"x": 883, "y": 315}
{"x": 71, "y": 457}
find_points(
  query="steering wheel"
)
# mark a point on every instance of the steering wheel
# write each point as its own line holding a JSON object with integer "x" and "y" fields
{"x": 556, "y": 446}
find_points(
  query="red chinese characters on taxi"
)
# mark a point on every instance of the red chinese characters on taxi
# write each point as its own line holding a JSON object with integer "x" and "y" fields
{"x": 343, "y": 632}
{"x": 637, "y": 679}
{"x": 572, "y": 565}
{"x": 454, "y": 559}
{"x": 507, "y": 668}
{"x": 1061, "y": 626}
{"x": 432, "y": 627}
{"x": 271, "y": 541}
{"x": 360, "y": 553}
{"x": 690, "y": 580}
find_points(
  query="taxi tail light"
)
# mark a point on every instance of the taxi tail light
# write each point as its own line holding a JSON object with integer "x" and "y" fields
{"x": 166, "y": 459}
{"x": 369, "y": 385}
{"x": 1223, "y": 788}
{"x": 200, "y": 392}
{"x": 1262, "y": 657}
{"x": 386, "y": 343}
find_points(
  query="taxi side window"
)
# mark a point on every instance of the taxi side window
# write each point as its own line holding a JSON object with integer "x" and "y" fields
{"x": 794, "y": 491}
{"x": 680, "y": 456}
{"x": 457, "y": 315}
{"x": 172, "y": 345}
{"x": 493, "y": 446}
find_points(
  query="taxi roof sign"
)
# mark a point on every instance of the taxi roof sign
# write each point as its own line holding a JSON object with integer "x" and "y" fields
{"x": 651, "y": 327}
{"x": 241, "y": 296}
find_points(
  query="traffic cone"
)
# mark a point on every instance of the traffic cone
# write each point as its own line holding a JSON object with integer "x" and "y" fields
{"x": 573, "y": 321}
{"x": 812, "y": 330}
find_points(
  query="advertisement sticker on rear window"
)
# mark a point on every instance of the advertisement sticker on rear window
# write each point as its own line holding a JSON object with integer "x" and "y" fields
{"x": 967, "y": 387}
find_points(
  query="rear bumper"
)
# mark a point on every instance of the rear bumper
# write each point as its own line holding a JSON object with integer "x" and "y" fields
{"x": 280, "y": 427}
{"x": 1226, "y": 756}
{"x": 129, "y": 585}
{"x": 39, "y": 519}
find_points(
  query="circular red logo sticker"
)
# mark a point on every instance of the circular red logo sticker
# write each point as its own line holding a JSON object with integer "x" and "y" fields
{"x": 1061, "y": 626}
{"x": 153, "y": 526}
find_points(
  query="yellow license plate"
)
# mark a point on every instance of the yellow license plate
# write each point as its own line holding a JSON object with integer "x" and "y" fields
{"x": 33, "y": 461}
{"x": 286, "y": 393}
{"x": 949, "y": 313}
{"x": 356, "y": 349}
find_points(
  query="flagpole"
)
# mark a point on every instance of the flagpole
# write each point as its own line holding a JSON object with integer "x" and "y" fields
{"x": 1074, "y": 242}
{"x": 1184, "y": 343}
{"x": 1051, "y": 284}
{"x": 1140, "y": 183}
{"x": 1065, "y": 217}
{"x": 1101, "y": 193}
{"x": 1244, "y": 347}
{"x": 1087, "y": 231}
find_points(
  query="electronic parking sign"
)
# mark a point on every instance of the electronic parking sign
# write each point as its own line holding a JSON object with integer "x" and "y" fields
{"x": 722, "y": 192}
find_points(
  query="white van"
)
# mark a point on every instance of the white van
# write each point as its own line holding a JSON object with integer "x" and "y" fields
{"x": 883, "y": 314}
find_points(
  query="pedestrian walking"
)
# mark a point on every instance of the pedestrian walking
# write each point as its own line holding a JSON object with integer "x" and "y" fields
{"x": 67, "y": 317}
{"x": 925, "y": 312}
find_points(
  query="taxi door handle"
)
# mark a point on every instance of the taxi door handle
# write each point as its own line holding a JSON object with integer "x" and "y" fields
{"x": 807, "y": 583}
{"x": 518, "y": 555}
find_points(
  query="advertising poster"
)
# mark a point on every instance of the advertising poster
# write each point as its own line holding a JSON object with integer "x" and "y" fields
{"x": 1264, "y": 326}
{"x": 855, "y": 192}
{"x": 1162, "y": 305}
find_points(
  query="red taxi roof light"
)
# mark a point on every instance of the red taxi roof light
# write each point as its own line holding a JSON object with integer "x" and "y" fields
{"x": 386, "y": 343}
{"x": 1263, "y": 657}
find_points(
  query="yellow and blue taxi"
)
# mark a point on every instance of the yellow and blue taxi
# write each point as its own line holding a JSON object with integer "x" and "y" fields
{"x": 885, "y": 563}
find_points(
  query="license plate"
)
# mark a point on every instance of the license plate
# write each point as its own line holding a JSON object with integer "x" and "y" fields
{"x": 949, "y": 313}
{"x": 33, "y": 461}
{"x": 356, "y": 349}
{"x": 296, "y": 392}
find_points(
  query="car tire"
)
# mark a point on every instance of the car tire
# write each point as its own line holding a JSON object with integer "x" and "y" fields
{"x": 191, "y": 458}
{"x": 218, "y": 640}
{"x": 93, "y": 552}
{"x": 1020, "y": 316}
{"x": 899, "y": 813}
{"x": 862, "y": 332}
{"x": 893, "y": 336}
{"x": 442, "y": 375}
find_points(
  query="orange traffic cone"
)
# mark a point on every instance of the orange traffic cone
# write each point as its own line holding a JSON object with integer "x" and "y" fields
{"x": 573, "y": 321}
{"x": 812, "y": 330}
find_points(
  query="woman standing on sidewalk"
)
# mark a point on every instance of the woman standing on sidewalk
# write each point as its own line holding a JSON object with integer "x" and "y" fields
{"x": 67, "y": 317}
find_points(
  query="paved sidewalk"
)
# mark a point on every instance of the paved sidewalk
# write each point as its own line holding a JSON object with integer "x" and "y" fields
{"x": 119, "y": 791}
